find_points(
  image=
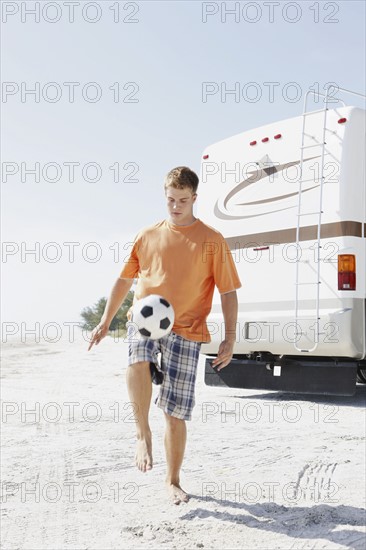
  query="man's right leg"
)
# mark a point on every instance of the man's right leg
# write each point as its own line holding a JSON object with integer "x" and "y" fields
{"x": 139, "y": 387}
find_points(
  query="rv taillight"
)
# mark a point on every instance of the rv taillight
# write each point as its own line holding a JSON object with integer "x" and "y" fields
{"x": 278, "y": 136}
{"x": 205, "y": 157}
{"x": 253, "y": 143}
{"x": 265, "y": 139}
{"x": 346, "y": 272}
{"x": 342, "y": 120}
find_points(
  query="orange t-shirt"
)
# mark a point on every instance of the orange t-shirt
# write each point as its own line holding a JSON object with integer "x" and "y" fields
{"x": 183, "y": 264}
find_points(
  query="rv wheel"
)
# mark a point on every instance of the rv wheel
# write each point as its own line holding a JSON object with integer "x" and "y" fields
{"x": 361, "y": 375}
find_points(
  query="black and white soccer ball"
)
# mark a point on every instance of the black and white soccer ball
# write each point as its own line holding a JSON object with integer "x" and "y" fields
{"x": 153, "y": 316}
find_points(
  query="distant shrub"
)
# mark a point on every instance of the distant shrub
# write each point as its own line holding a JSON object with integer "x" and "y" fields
{"x": 92, "y": 315}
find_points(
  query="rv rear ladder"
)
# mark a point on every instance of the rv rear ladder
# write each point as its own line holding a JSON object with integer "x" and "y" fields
{"x": 300, "y": 215}
{"x": 322, "y": 143}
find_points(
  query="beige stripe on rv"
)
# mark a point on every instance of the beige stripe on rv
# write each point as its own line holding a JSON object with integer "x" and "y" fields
{"x": 328, "y": 230}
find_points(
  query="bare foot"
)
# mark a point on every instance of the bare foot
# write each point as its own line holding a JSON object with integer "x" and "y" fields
{"x": 176, "y": 494}
{"x": 143, "y": 456}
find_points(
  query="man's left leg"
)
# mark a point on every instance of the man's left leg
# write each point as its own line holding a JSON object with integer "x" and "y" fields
{"x": 175, "y": 442}
{"x": 179, "y": 359}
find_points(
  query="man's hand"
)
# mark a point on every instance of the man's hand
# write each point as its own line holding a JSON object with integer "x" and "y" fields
{"x": 98, "y": 334}
{"x": 114, "y": 302}
{"x": 225, "y": 354}
{"x": 229, "y": 303}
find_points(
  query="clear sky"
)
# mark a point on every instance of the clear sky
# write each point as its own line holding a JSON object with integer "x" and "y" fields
{"x": 158, "y": 56}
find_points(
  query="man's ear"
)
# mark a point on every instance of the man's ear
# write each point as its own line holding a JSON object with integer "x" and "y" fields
{"x": 194, "y": 197}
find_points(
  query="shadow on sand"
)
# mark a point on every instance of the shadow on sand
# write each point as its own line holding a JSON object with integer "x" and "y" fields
{"x": 356, "y": 400}
{"x": 304, "y": 523}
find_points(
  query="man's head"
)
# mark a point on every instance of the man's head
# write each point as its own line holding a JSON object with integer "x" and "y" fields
{"x": 182, "y": 177}
{"x": 181, "y": 192}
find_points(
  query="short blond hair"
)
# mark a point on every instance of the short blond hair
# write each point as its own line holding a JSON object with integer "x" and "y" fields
{"x": 182, "y": 177}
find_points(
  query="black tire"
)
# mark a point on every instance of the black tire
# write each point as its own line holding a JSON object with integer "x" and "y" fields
{"x": 361, "y": 375}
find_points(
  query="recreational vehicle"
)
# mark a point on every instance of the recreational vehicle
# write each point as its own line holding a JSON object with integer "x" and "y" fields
{"x": 290, "y": 199}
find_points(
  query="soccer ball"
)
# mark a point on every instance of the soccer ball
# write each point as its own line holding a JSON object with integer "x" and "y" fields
{"x": 153, "y": 316}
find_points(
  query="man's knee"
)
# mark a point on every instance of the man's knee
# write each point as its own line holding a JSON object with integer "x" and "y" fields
{"x": 173, "y": 420}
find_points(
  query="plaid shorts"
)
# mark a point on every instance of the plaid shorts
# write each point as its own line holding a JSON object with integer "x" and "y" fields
{"x": 178, "y": 362}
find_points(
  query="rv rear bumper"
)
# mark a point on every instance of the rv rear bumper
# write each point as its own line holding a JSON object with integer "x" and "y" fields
{"x": 316, "y": 376}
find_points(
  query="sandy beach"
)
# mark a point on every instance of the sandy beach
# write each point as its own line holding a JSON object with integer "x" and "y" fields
{"x": 264, "y": 470}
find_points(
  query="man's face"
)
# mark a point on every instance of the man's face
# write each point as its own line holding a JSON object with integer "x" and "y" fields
{"x": 180, "y": 205}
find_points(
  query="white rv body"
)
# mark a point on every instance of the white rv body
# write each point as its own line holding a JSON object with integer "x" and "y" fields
{"x": 250, "y": 193}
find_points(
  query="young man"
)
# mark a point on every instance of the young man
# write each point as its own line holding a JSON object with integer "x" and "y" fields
{"x": 182, "y": 259}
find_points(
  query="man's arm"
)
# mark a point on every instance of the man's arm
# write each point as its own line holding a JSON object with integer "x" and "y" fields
{"x": 229, "y": 304}
{"x": 117, "y": 296}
